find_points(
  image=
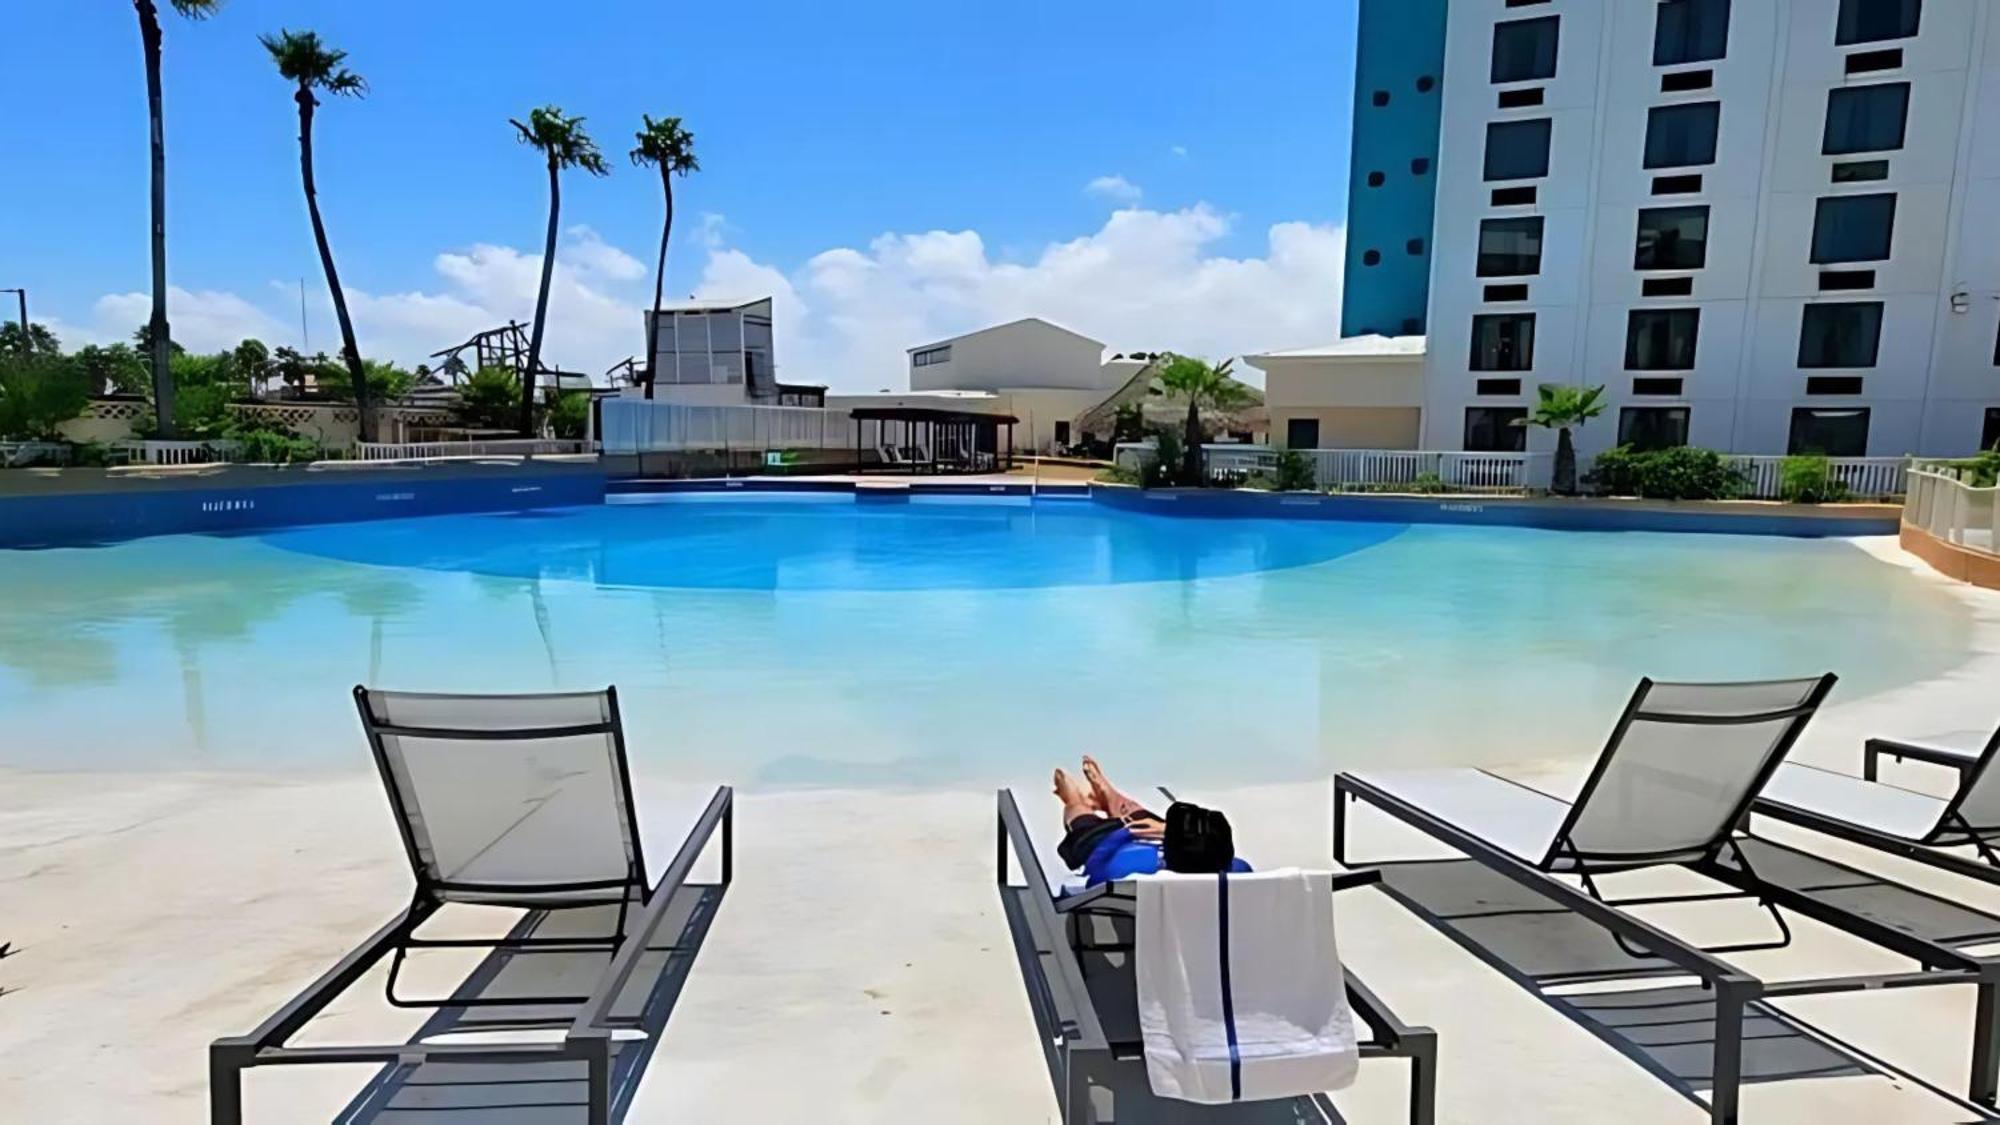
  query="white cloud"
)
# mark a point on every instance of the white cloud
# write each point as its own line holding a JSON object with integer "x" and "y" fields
{"x": 1117, "y": 189}
{"x": 1179, "y": 150}
{"x": 1146, "y": 281}
{"x": 201, "y": 321}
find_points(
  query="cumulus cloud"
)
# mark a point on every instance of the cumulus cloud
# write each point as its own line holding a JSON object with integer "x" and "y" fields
{"x": 1117, "y": 189}
{"x": 1178, "y": 150}
{"x": 202, "y": 321}
{"x": 1146, "y": 281}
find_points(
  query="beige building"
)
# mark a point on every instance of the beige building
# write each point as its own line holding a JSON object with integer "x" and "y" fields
{"x": 1042, "y": 373}
{"x": 1366, "y": 392}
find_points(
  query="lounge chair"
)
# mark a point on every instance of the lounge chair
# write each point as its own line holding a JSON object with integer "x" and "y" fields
{"x": 520, "y": 801}
{"x": 1673, "y": 784}
{"x": 1961, "y": 750}
{"x": 1082, "y": 990}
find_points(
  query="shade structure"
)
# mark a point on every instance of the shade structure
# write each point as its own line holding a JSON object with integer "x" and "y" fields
{"x": 931, "y": 439}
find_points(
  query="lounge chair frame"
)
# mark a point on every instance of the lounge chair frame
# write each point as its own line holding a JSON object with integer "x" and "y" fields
{"x": 1875, "y": 749}
{"x": 588, "y": 1039}
{"x": 1734, "y": 987}
{"x": 1080, "y": 1048}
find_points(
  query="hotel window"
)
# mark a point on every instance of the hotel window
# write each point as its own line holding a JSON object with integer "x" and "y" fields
{"x": 1496, "y": 429}
{"x": 1989, "y": 434}
{"x": 1829, "y": 432}
{"x": 1844, "y": 334}
{"x": 1525, "y": 50}
{"x": 1871, "y": 21}
{"x": 931, "y": 356}
{"x": 1503, "y": 342}
{"x": 1672, "y": 238}
{"x": 1517, "y": 150}
{"x": 1661, "y": 339}
{"x": 1866, "y": 118}
{"x": 1690, "y": 31}
{"x": 1682, "y": 136}
{"x": 1649, "y": 428}
{"x": 1510, "y": 247}
{"x": 1302, "y": 433}
{"x": 1854, "y": 228}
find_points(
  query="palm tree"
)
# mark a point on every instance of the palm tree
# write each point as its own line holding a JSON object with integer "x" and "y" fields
{"x": 1560, "y": 406}
{"x": 562, "y": 140}
{"x": 1202, "y": 385}
{"x": 670, "y": 148}
{"x": 313, "y": 66}
{"x": 160, "y": 349}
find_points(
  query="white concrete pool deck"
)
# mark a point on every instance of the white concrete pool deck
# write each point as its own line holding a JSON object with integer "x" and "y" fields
{"x": 860, "y": 967}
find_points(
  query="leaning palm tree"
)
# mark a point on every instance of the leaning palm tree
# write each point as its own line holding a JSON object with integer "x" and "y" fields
{"x": 1560, "y": 406}
{"x": 670, "y": 148}
{"x": 313, "y": 66}
{"x": 160, "y": 349}
{"x": 561, "y": 139}
{"x": 1202, "y": 385}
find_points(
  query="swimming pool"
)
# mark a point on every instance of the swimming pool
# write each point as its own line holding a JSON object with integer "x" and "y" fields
{"x": 791, "y": 640}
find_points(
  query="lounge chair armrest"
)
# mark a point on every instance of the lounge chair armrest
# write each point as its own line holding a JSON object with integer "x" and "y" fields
{"x": 598, "y": 1008}
{"x": 300, "y": 1009}
{"x": 1349, "y": 880}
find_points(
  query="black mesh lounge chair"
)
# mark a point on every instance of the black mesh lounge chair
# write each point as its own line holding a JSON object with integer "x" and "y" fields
{"x": 1075, "y": 954}
{"x": 1672, "y": 787}
{"x": 1913, "y": 825}
{"x": 521, "y": 801}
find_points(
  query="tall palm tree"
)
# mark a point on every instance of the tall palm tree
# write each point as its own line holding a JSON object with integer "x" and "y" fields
{"x": 1202, "y": 385}
{"x": 561, "y": 139}
{"x": 670, "y": 148}
{"x": 160, "y": 351}
{"x": 1558, "y": 407}
{"x": 313, "y": 66}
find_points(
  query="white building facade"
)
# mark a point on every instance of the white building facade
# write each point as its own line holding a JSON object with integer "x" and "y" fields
{"x": 1765, "y": 226}
{"x": 1042, "y": 373}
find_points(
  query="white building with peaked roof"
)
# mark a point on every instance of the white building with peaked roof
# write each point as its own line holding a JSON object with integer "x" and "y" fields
{"x": 1365, "y": 392}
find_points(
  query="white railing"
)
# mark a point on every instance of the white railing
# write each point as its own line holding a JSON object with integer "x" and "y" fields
{"x": 179, "y": 452}
{"x": 16, "y": 454}
{"x": 638, "y": 426}
{"x": 1952, "y": 510}
{"x": 503, "y": 447}
{"x": 1866, "y": 478}
{"x": 1353, "y": 469}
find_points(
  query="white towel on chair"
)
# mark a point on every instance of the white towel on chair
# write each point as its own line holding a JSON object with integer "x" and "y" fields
{"x": 1281, "y": 1027}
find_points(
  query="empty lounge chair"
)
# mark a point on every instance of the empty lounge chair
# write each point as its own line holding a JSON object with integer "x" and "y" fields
{"x": 515, "y": 801}
{"x": 1075, "y": 948}
{"x": 1960, "y": 750}
{"x": 1673, "y": 783}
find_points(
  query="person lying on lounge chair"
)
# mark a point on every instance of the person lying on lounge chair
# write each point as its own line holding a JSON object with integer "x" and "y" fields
{"x": 1110, "y": 836}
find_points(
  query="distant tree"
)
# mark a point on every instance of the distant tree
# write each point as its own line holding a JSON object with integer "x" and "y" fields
{"x": 37, "y": 339}
{"x": 313, "y": 66}
{"x": 563, "y": 143}
{"x": 143, "y": 340}
{"x": 114, "y": 369}
{"x": 38, "y": 392}
{"x": 663, "y": 144}
{"x": 1558, "y": 407}
{"x": 253, "y": 363}
{"x": 291, "y": 368}
{"x": 488, "y": 398}
{"x": 159, "y": 343}
{"x": 387, "y": 382}
{"x": 1202, "y": 385}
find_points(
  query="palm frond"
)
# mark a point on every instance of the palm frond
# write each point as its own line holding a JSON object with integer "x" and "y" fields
{"x": 561, "y": 138}
{"x": 196, "y": 9}
{"x": 303, "y": 57}
{"x": 665, "y": 144}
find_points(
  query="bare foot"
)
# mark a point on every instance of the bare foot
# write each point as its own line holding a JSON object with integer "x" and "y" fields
{"x": 1072, "y": 793}
{"x": 1115, "y": 803}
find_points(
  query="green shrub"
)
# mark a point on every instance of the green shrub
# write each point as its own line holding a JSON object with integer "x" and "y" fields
{"x": 569, "y": 418}
{"x": 1680, "y": 473}
{"x": 1809, "y": 480}
{"x": 1294, "y": 472}
{"x": 1117, "y": 474}
{"x": 1163, "y": 468}
{"x": 490, "y": 399}
{"x": 38, "y": 392}
{"x": 1428, "y": 484}
{"x": 264, "y": 442}
{"x": 1980, "y": 471}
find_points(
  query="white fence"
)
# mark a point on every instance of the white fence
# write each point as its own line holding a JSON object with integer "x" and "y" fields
{"x": 1866, "y": 478}
{"x": 1952, "y": 510}
{"x": 15, "y": 454}
{"x": 503, "y": 447}
{"x": 637, "y": 426}
{"x": 1352, "y": 469}
{"x": 178, "y": 452}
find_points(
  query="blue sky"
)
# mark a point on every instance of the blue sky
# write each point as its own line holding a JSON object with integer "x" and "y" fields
{"x": 891, "y": 168}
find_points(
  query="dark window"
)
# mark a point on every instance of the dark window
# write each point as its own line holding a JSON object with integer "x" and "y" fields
{"x": 1371, "y": 257}
{"x": 1868, "y": 62}
{"x": 1682, "y": 136}
{"x": 1380, "y": 98}
{"x": 1666, "y": 287}
{"x": 1420, "y": 165}
{"x": 1831, "y": 281}
{"x": 1414, "y": 247}
{"x": 1681, "y": 81}
{"x": 1989, "y": 434}
{"x": 1494, "y": 429}
{"x": 1302, "y": 433}
{"x": 1514, "y": 196}
{"x": 1672, "y": 238}
{"x": 1062, "y": 433}
{"x": 1869, "y": 21}
{"x": 1866, "y": 118}
{"x": 1505, "y": 293}
{"x": 1521, "y": 99}
{"x": 1661, "y": 339}
{"x": 1510, "y": 247}
{"x": 1502, "y": 387}
{"x": 1830, "y": 432}
{"x": 1425, "y": 84}
{"x": 1688, "y": 31}
{"x": 1517, "y": 150}
{"x": 1503, "y": 342}
{"x": 1647, "y": 428}
{"x": 1854, "y": 228}
{"x": 1525, "y": 50}
{"x": 1848, "y": 334}
{"x": 1413, "y": 326}
{"x": 1860, "y": 171}
{"x": 1657, "y": 386}
{"x": 1676, "y": 185}
{"x": 1834, "y": 385}
{"x": 1376, "y": 179}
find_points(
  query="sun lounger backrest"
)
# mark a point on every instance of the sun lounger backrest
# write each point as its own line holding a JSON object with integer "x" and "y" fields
{"x": 508, "y": 798}
{"x": 1681, "y": 767}
{"x": 1978, "y": 801}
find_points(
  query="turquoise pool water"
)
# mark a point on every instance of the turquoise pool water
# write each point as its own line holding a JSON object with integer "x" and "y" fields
{"x": 801, "y": 641}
